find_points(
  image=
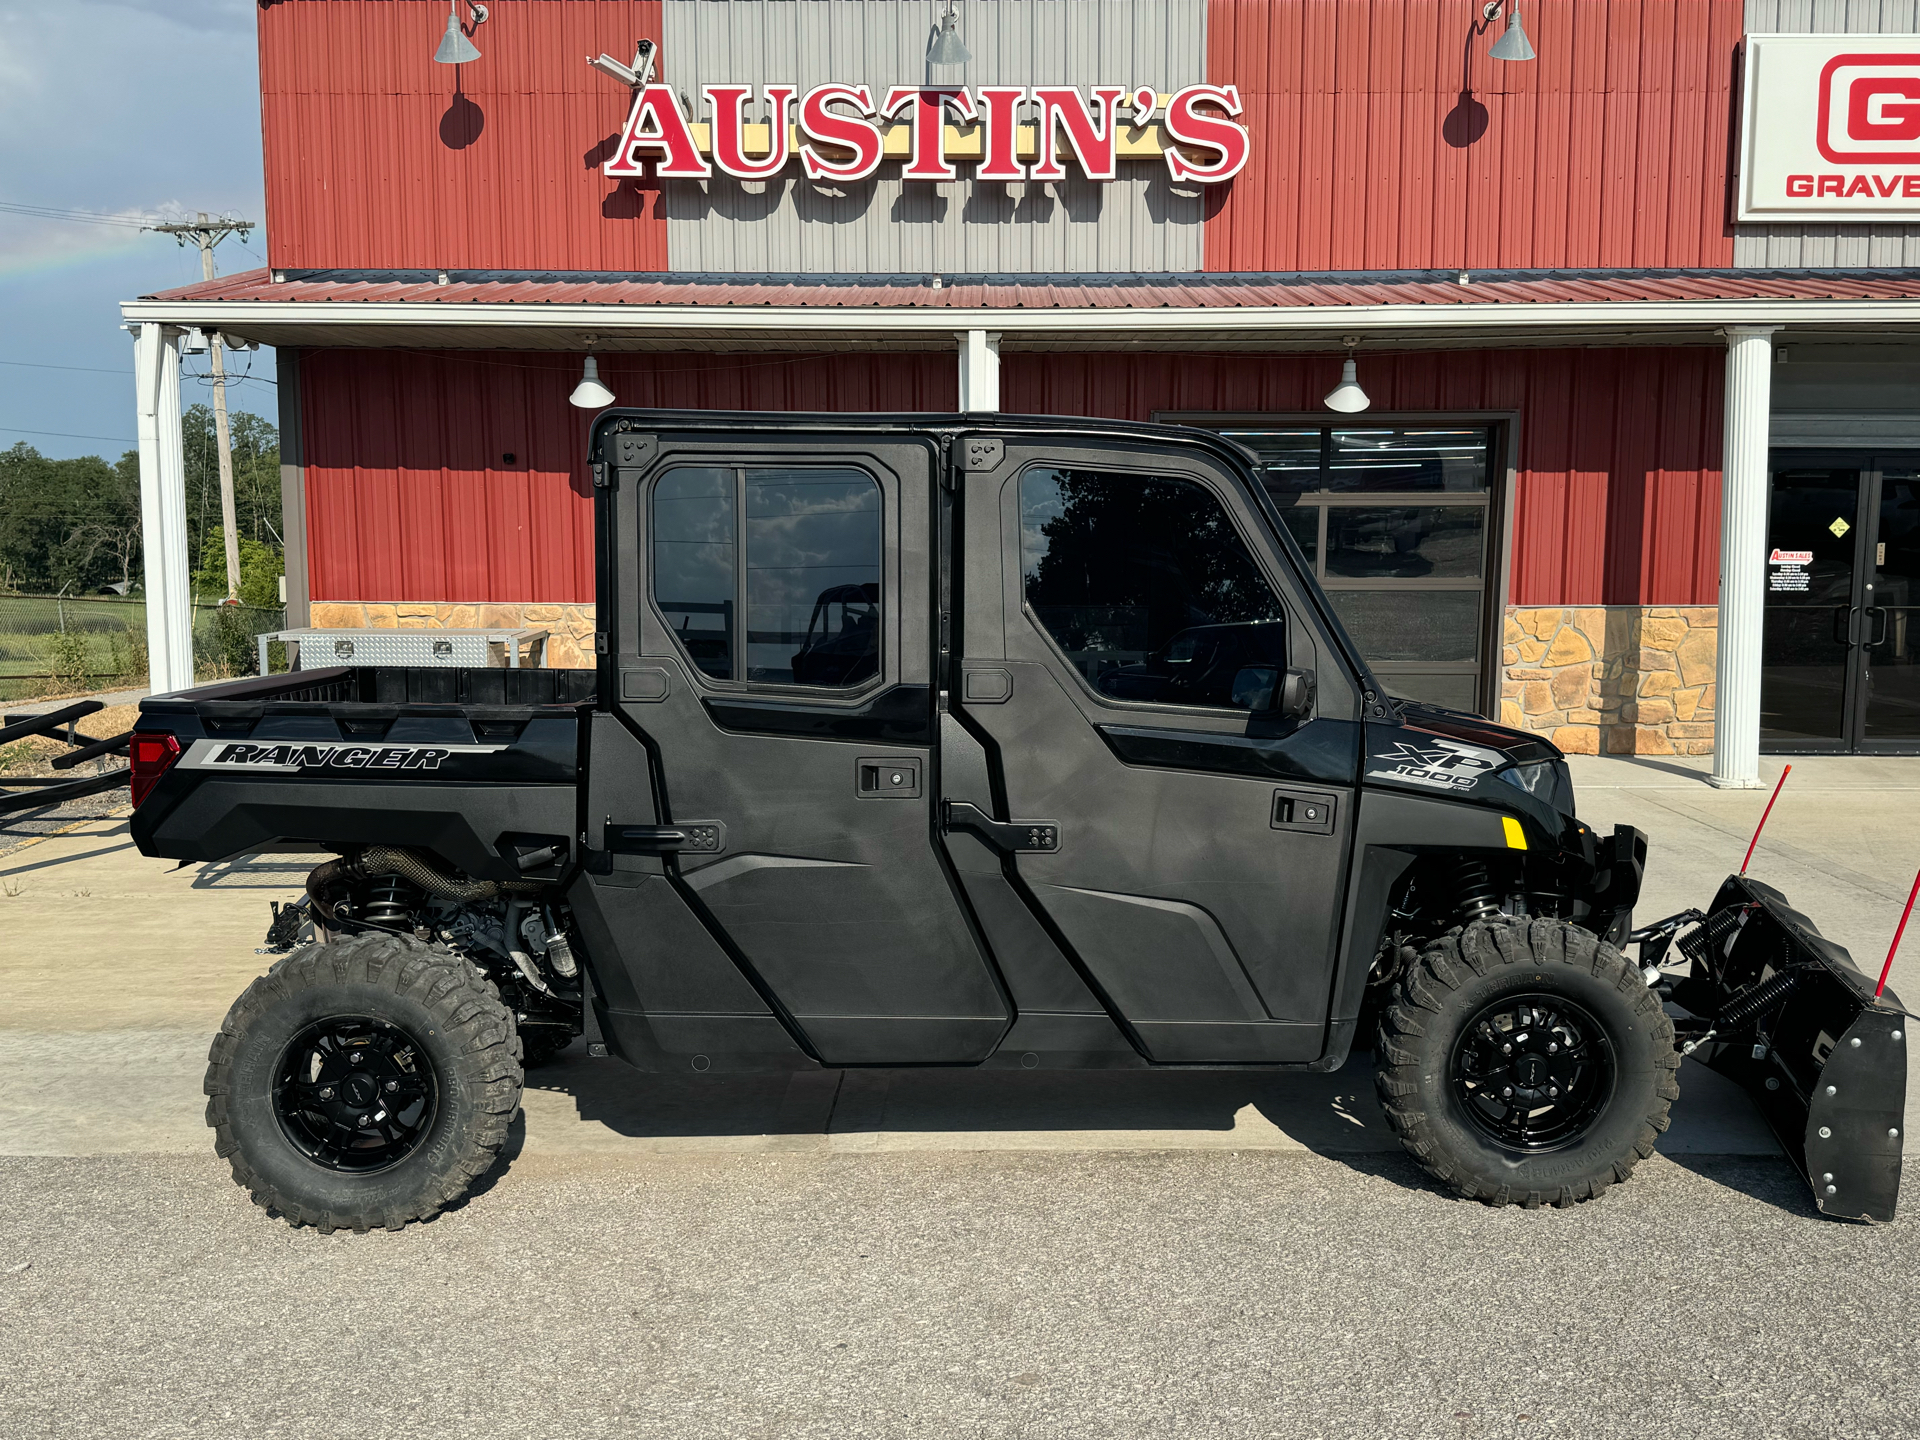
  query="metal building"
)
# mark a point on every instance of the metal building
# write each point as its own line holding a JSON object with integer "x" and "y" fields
{"x": 1633, "y": 310}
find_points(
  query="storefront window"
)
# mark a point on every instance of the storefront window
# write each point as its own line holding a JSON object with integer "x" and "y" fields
{"x": 1394, "y": 521}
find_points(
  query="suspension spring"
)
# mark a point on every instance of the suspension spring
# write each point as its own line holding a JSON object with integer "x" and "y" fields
{"x": 1707, "y": 938}
{"x": 390, "y": 903}
{"x": 1756, "y": 999}
{"x": 1474, "y": 893}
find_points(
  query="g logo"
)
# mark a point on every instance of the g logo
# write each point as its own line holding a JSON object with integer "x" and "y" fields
{"x": 1870, "y": 110}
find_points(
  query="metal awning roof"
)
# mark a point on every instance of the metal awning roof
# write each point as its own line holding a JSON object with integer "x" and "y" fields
{"x": 557, "y": 310}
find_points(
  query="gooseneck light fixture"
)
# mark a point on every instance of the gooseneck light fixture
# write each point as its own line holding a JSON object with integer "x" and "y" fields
{"x": 1348, "y": 397}
{"x": 590, "y": 394}
{"x": 1513, "y": 42}
{"x": 455, "y": 47}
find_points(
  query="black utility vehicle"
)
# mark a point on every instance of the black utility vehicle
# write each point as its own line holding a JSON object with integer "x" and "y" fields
{"x": 956, "y": 741}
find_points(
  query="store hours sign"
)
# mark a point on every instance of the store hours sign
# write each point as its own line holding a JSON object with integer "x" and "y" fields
{"x": 841, "y": 132}
{"x": 1830, "y": 126}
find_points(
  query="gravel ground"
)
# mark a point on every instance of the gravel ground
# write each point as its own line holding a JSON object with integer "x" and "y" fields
{"x": 986, "y": 1294}
{"x": 23, "y": 827}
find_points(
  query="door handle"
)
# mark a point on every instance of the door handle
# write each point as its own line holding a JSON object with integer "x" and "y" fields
{"x": 1880, "y": 613}
{"x": 1844, "y": 627}
{"x": 629, "y": 840}
{"x": 1006, "y": 836}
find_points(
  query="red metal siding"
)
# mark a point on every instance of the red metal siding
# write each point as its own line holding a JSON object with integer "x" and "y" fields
{"x": 374, "y": 159}
{"x": 1619, "y": 481}
{"x": 1611, "y": 149}
{"x": 409, "y": 497}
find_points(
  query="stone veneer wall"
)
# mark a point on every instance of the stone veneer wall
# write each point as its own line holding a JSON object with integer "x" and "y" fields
{"x": 570, "y": 628}
{"x": 1613, "y": 680}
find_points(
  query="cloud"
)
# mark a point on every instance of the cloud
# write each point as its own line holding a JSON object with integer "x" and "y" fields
{"x": 82, "y": 129}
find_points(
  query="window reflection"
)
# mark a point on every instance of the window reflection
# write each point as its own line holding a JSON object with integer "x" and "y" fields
{"x": 1148, "y": 588}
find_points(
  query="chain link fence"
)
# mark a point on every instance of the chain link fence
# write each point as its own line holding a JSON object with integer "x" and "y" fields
{"x": 59, "y": 645}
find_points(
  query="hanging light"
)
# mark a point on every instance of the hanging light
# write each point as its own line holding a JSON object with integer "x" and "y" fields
{"x": 455, "y": 47}
{"x": 1348, "y": 397}
{"x": 1513, "y": 42}
{"x": 590, "y": 394}
{"x": 946, "y": 48}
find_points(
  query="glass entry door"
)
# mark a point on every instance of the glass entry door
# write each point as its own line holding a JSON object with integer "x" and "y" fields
{"x": 1840, "y": 627}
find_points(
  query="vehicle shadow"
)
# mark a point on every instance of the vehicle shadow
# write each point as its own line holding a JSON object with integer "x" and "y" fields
{"x": 1716, "y": 1132}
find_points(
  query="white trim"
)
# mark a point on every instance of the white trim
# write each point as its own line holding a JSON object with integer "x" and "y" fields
{"x": 748, "y": 320}
{"x": 980, "y": 370}
{"x": 1744, "y": 533}
{"x": 163, "y": 509}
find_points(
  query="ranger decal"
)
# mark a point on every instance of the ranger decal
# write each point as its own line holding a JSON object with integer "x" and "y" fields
{"x": 322, "y": 755}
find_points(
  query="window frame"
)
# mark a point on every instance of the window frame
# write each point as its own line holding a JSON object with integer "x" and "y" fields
{"x": 1504, "y": 441}
{"x": 1299, "y": 640}
{"x": 738, "y": 643}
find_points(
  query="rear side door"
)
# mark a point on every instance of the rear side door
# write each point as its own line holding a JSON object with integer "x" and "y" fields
{"x": 1119, "y": 608}
{"x": 772, "y": 641}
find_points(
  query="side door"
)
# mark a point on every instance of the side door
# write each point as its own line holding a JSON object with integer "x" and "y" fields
{"x": 772, "y": 642}
{"x": 1120, "y": 608}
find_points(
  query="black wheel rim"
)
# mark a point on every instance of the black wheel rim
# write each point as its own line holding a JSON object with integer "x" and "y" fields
{"x": 1533, "y": 1072}
{"x": 355, "y": 1094}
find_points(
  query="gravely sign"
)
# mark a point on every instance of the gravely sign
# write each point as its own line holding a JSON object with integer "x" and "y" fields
{"x": 840, "y": 134}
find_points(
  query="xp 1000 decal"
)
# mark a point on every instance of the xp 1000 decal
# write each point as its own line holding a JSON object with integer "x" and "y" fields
{"x": 1441, "y": 764}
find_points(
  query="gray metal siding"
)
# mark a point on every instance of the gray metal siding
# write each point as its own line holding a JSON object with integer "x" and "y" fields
{"x": 1141, "y": 222}
{"x": 1825, "y": 244}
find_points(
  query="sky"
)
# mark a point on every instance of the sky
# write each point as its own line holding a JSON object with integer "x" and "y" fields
{"x": 139, "y": 109}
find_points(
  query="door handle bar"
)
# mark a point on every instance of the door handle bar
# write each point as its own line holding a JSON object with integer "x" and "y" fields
{"x": 1005, "y": 836}
{"x": 1877, "y": 613}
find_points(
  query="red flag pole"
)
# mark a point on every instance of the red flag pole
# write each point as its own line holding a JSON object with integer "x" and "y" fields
{"x": 1888, "y": 964}
{"x": 1764, "y": 818}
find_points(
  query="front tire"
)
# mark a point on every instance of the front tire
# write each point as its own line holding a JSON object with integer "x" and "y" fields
{"x": 1526, "y": 1062}
{"x": 363, "y": 1082}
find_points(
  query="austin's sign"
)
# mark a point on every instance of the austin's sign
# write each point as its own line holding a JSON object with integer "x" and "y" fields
{"x": 840, "y": 134}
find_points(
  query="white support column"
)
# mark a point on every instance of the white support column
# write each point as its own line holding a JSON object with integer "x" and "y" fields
{"x": 1744, "y": 537}
{"x": 980, "y": 370}
{"x": 163, "y": 509}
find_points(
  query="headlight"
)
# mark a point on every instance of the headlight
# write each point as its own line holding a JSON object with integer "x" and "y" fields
{"x": 1547, "y": 781}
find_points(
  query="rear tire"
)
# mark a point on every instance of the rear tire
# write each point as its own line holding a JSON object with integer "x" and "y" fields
{"x": 363, "y": 1082}
{"x": 1482, "y": 1026}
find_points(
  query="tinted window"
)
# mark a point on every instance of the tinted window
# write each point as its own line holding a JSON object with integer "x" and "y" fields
{"x": 694, "y": 570}
{"x": 810, "y": 586}
{"x": 813, "y": 576}
{"x": 1148, "y": 588}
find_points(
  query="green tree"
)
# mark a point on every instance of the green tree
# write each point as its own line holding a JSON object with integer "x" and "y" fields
{"x": 73, "y": 526}
{"x": 256, "y": 484}
{"x": 260, "y": 570}
{"x": 68, "y": 526}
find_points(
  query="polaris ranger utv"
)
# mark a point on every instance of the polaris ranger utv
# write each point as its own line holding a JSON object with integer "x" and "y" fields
{"x": 958, "y": 741}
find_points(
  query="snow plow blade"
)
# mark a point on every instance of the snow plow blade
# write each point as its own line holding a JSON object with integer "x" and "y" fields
{"x": 1790, "y": 1018}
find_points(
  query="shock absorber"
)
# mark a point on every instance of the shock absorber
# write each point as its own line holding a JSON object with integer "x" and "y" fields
{"x": 1474, "y": 893}
{"x": 390, "y": 903}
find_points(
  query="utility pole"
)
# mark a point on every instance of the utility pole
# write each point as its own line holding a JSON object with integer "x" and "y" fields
{"x": 206, "y": 234}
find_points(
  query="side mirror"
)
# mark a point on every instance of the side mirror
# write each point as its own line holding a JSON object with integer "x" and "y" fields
{"x": 1268, "y": 690}
{"x": 1296, "y": 701}
{"x": 1253, "y": 688}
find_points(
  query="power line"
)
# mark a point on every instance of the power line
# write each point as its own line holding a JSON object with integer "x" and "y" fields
{"x": 67, "y": 435}
{"x": 44, "y": 365}
{"x": 88, "y": 217}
